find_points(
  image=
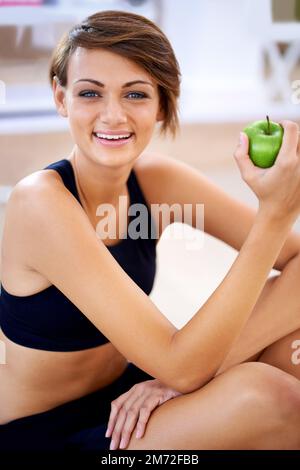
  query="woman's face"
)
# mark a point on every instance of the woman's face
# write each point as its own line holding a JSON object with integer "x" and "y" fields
{"x": 100, "y": 97}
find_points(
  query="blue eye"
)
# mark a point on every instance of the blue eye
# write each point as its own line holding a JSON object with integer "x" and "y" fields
{"x": 92, "y": 94}
{"x": 88, "y": 94}
{"x": 138, "y": 96}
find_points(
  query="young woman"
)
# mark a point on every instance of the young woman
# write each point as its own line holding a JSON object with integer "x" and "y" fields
{"x": 86, "y": 349}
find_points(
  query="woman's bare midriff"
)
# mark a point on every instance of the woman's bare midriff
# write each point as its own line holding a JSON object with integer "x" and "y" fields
{"x": 33, "y": 381}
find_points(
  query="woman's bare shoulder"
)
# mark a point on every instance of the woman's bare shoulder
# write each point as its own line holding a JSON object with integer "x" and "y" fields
{"x": 34, "y": 182}
{"x": 151, "y": 169}
{"x": 36, "y": 191}
{"x": 29, "y": 195}
{"x": 26, "y": 196}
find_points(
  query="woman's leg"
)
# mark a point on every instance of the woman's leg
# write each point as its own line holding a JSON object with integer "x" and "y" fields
{"x": 273, "y": 325}
{"x": 250, "y": 406}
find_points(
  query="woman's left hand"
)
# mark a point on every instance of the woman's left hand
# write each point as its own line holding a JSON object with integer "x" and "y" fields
{"x": 134, "y": 408}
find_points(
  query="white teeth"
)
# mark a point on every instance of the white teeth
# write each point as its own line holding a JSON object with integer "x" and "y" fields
{"x": 112, "y": 137}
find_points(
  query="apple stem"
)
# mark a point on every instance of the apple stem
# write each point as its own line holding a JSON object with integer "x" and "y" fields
{"x": 268, "y": 131}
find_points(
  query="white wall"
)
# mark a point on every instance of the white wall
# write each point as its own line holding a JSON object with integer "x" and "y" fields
{"x": 219, "y": 45}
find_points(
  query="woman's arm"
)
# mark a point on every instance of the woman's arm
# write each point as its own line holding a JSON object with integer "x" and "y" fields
{"x": 63, "y": 247}
{"x": 207, "y": 338}
{"x": 278, "y": 190}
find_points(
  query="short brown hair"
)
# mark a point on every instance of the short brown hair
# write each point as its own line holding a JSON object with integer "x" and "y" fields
{"x": 134, "y": 37}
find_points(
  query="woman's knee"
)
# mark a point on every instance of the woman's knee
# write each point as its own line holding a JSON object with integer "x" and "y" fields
{"x": 269, "y": 388}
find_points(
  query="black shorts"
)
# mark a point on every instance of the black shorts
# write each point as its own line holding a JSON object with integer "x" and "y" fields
{"x": 78, "y": 425}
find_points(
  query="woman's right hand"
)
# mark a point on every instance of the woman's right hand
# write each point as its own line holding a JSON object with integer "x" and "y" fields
{"x": 277, "y": 187}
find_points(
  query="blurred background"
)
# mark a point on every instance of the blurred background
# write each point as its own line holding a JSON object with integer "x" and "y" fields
{"x": 240, "y": 60}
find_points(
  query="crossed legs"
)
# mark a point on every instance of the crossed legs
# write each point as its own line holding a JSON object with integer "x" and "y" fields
{"x": 247, "y": 405}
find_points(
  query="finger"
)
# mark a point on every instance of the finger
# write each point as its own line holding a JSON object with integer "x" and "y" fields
{"x": 126, "y": 422}
{"x": 242, "y": 158}
{"x": 242, "y": 148}
{"x": 243, "y": 144}
{"x": 140, "y": 410}
{"x": 144, "y": 418}
{"x": 116, "y": 434}
{"x": 298, "y": 146}
{"x": 115, "y": 408}
{"x": 289, "y": 141}
{"x": 145, "y": 412}
{"x": 130, "y": 423}
{"x": 122, "y": 416}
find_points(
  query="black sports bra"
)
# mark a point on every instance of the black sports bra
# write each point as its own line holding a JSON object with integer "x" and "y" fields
{"x": 48, "y": 320}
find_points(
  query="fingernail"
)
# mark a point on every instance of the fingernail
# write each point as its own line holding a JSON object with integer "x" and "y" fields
{"x": 112, "y": 445}
{"x": 138, "y": 434}
{"x": 241, "y": 138}
{"x": 107, "y": 433}
{"x": 123, "y": 443}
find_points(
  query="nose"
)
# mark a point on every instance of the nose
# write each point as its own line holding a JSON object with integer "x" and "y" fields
{"x": 112, "y": 112}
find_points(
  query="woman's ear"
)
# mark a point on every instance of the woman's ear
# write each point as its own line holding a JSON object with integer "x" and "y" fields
{"x": 59, "y": 94}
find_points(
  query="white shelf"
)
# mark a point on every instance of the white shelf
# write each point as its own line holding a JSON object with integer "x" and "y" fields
{"x": 33, "y": 124}
{"x": 27, "y": 98}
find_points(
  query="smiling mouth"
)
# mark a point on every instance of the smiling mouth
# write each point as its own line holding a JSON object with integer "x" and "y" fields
{"x": 113, "y": 141}
{"x": 111, "y": 138}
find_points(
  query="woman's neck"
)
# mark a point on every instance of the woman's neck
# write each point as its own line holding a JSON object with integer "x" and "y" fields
{"x": 98, "y": 184}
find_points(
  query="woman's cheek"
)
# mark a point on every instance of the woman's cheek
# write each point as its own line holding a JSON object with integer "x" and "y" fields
{"x": 81, "y": 120}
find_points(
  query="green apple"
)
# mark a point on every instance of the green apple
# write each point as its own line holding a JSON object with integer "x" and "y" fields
{"x": 265, "y": 139}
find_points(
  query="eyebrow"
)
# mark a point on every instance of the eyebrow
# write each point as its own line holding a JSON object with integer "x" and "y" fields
{"x": 128, "y": 84}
